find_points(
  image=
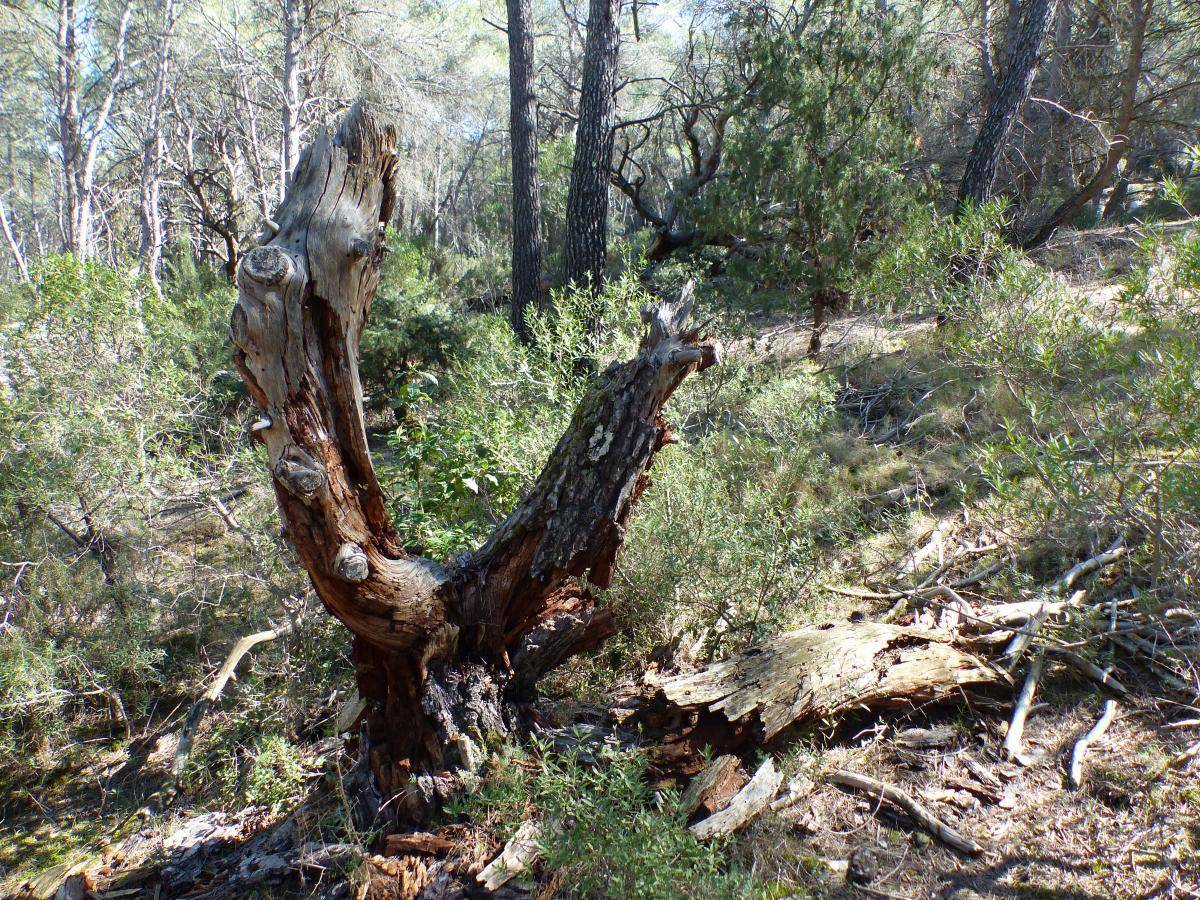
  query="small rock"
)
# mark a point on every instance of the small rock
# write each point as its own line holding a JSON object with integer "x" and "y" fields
{"x": 863, "y": 867}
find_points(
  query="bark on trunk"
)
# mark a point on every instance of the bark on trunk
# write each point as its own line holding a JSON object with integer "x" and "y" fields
{"x": 1118, "y": 146}
{"x": 527, "y": 200}
{"x": 587, "y": 198}
{"x": 443, "y": 657}
{"x": 1024, "y": 48}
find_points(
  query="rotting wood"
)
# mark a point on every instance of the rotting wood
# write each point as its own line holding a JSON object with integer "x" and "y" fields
{"x": 420, "y": 842}
{"x": 713, "y": 786}
{"x": 1079, "y": 751}
{"x": 520, "y": 852}
{"x": 818, "y": 671}
{"x": 745, "y": 805}
{"x": 916, "y": 811}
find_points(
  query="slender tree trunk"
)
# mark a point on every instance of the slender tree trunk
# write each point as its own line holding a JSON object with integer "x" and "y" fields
{"x": 293, "y": 37}
{"x": 443, "y": 657}
{"x": 527, "y": 200}
{"x": 79, "y": 141}
{"x": 69, "y": 139}
{"x": 1011, "y": 93}
{"x": 1118, "y": 145}
{"x": 587, "y": 198}
{"x": 150, "y": 245}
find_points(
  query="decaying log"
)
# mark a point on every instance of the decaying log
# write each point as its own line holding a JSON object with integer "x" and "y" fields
{"x": 745, "y": 805}
{"x": 916, "y": 811}
{"x": 713, "y": 787}
{"x": 818, "y": 671}
{"x": 440, "y": 654}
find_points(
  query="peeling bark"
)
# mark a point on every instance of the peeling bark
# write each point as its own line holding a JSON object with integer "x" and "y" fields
{"x": 441, "y": 655}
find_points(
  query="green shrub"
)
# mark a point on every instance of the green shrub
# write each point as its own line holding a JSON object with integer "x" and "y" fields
{"x": 274, "y": 772}
{"x": 609, "y": 834}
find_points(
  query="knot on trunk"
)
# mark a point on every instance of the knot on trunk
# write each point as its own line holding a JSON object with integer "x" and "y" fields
{"x": 268, "y": 265}
{"x": 299, "y": 473}
{"x": 351, "y": 563}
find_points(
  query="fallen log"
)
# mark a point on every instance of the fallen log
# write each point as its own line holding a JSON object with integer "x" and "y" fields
{"x": 818, "y": 671}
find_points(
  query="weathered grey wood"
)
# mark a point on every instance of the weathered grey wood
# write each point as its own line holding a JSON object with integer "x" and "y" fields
{"x": 521, "y": 852}
{"x": 817, "y": 671}
{"x": 745, "y": 805}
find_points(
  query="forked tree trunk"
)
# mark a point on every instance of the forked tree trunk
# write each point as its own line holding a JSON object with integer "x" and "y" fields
{"x": 442, "y": 656}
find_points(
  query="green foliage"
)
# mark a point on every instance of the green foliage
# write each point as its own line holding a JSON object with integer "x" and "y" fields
{"x": 826, "y": 125}
{"x": 473, "y": 437}
{"x": 1097, "y": 407}
{"x": 274, "y": 772}
{"x": 411, "y": 328}
{"x": 731, "y": 532}
{"x": 610, "y": 834}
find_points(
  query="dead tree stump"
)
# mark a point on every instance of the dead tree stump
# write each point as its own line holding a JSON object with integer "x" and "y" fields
{"x": 442, "y": 657}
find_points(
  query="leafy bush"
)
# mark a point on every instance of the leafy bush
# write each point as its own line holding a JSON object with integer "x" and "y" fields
{"x": 273, "y": 775}
{"x": 608, "y": 833}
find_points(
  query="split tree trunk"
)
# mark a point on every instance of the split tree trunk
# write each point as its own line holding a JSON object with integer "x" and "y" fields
{"x": 442, "y": 656}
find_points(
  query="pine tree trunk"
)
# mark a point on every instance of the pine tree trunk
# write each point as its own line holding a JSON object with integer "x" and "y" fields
{"x": 1011, "y": 93}
{"x": 1118, "y": 146}
{"x": 587, "y": 198}
{"x": 527, "y": 200}
{"x": 443, "y": 656}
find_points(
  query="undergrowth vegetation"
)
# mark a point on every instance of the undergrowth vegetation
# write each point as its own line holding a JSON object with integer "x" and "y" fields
{"x": 1043, "y": 414}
